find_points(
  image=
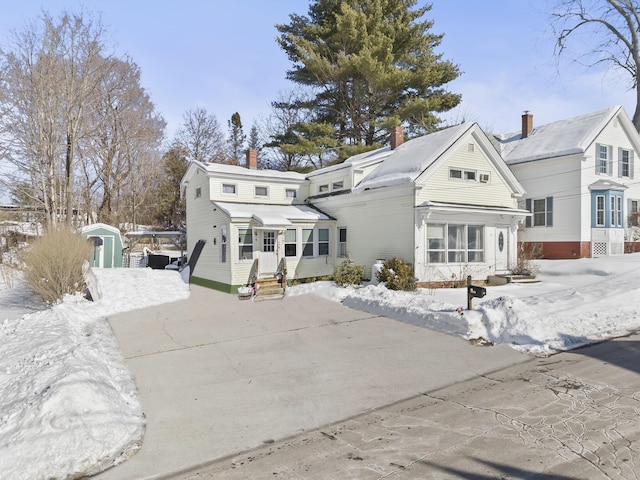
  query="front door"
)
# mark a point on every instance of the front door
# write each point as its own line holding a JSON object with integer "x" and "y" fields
{"x": 502, "y": 249}
{"x": 268, "y": 261}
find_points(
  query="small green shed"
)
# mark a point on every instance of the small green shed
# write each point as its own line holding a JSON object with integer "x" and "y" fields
{"x": 106, "y": 243}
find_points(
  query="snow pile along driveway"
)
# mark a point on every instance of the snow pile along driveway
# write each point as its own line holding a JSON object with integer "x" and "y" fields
{"x": 68, "y": 405}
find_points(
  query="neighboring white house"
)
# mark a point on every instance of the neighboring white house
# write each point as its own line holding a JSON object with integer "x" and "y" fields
{"x": 579, "y": 175}
{"x": 445, "y": 202}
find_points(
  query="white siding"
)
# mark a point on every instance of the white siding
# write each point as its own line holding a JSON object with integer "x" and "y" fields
{"x": 441, "y": 188}
{"x": 245, "y": 190}
{"x": 376, "y": 228}
{"x": 558, "y": 178}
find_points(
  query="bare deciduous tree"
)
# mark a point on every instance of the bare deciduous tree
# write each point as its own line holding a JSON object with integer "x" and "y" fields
{"x": 614, "y": 26}
{"x": 74, "y": 121}
{"x": 125, "y": 137}
{"x": 201, "y": 138}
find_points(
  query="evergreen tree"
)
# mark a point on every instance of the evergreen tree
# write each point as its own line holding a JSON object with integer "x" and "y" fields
{"x": 370, "y": 61}
{"x": 171, "y": 208}
{"x": 236, "y": 139}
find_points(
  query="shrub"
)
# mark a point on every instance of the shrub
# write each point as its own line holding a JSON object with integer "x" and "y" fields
{"x": 53, "y": 264}
{"x": 397, "y": 275}
{"x": 348, "y": 274}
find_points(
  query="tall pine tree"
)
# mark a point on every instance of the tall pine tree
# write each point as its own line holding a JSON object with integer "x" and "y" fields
{"x": 236, "y": 139}
{"x": 373, "y": 64}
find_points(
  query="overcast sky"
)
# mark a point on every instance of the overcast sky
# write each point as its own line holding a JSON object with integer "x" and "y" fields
{"x": 222, "y": 55}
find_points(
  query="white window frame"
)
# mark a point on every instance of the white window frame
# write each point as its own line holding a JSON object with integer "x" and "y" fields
{"x": 198, "y": 192}
{"x": 259, "y": 195}
{"x": 248, "y": 233}
{"x": 323, "y": 188}
{"x": 339, "y": 185}
{"x": 443, "y": 248}
{"x": 625, "y": 163}
{"x": 600, "y": 211}
{"x": 342, "y": 242}
{"x": 233, "y": 186}
{"x": 291, "y": 193}
{"x": 289, "y": 242}
{"x": 323, "y": 243}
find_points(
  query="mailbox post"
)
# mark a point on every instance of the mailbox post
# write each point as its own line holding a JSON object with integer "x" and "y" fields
{"x": 473, "y": 291}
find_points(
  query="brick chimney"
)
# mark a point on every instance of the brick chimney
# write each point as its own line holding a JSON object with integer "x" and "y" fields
{"x": 397, "y": 137}
{"x": 252, "y": 159}
{"x": 527, "y": 123}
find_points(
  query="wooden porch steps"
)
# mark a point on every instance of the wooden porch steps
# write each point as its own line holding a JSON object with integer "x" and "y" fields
{"x": 269, "y": 288}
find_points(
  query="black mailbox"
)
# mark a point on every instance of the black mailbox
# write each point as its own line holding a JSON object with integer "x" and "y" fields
{"x": 477, "y": 292}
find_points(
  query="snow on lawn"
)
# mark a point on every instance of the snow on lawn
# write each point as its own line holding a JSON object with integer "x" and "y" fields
{"x": 68, "y": 405}
{"x": 577, "y": 302}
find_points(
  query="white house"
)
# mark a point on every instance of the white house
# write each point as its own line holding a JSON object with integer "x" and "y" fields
{"x": 579, "y": 175}
{"x": 445, "y": 202}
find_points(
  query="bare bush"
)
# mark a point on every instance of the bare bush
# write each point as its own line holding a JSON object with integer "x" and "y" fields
{"x": 53, "y": 264}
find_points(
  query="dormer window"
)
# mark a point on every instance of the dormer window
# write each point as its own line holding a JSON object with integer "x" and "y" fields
{"x": 290, "y": 193}
{"x": 261, "y": 191}
{"x": 337, "y": 185}
{"x": 323, "y": 188}
{"x": 228, "y": 189}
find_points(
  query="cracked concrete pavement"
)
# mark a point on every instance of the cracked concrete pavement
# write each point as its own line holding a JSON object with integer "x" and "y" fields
{"x": 574, "y": 415}
{"x": 307, "y": 388}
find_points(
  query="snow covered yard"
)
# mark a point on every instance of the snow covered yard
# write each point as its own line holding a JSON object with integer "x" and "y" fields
{"x": 69, "y": 408}
{"x": 68, "y": 405}
{"x": 577, "y": 302}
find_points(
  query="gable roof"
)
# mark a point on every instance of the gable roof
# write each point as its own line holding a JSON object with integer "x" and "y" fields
{"x": 571, "y": 136}
{"x": 409, "y": 160}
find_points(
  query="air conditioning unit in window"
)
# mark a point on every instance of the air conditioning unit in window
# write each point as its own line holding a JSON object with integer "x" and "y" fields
{"x": 484, "y": 178}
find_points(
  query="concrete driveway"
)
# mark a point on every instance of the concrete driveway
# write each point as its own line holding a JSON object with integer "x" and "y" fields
{"x": 218, "y": 376}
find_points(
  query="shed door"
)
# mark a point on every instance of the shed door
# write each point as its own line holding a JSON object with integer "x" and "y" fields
{"x": 502, "y": 249}
{"x": 97, "y": 259}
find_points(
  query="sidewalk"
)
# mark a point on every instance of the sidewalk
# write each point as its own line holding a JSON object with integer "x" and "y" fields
{"x": 218, "y": 376}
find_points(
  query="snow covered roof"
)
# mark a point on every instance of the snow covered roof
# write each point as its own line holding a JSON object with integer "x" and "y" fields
{"x": 235, "y": 169}
{"x": 272, "y": 215}
{"x": 409, "y": 160}
{"x": 564, "y": 137}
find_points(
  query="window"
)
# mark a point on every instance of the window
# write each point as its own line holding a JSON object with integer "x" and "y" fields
{"x": 475, "y": 243}
{"x": 337, "y": 185}
{"x": 342, "y": 242}
{"x": 198, "y": 192}
{"x": 619, "y": 211}
{"x": 603, "y": 159}
{"x": 223, "y": 244}
{"x": 290, "y": 244}
{"x": 599, "y": 210}
{"x": 456, "y": 244}
{"x": 261, "y": 192}
{"x": 463, "y": 243}
{"x": 307, "y": 242}
{"x": 484, "y": 178}
{"x": 290, "y": 193}
{"x": 435, "y": 243}
{"x": 228, "y": 189}
{"x": 471, "y": 147}
{"x": 460, "y": 174}
{"x": 245, "y": 244}
{"x": 323, "y": 188}
{"x": 633, "y": 213}
{"x": 624, "y": 163}
{"x": 268, "y": 241}
{"x": 542, "y": 209}
{"x": 323, "y": 241}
